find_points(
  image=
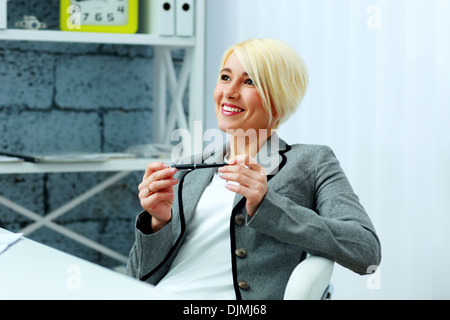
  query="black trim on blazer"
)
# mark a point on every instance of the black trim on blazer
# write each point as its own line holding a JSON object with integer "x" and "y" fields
{"x": 232, "y": 232}
{"x": 183, "y": 229}
{"x": 233, "y": 249}
{"x": 283, "y": 160}
{"x": 232, "y": 227}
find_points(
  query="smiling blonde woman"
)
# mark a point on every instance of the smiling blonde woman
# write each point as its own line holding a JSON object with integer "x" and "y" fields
{"x": 239, "y": 231}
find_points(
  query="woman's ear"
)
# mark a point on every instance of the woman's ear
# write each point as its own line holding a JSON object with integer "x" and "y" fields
{"x": 275, "y": 117}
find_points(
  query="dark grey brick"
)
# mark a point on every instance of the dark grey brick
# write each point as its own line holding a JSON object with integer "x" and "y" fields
{"x": 92, "y": 82}
{"x": 25, "y": 190}
{"x": 26, "y": 79}
{"x": 37, "y": 132}
{"x": 125, "y": 129}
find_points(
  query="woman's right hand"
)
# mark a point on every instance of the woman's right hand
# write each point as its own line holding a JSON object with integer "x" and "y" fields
{"x": 156, "y": 193}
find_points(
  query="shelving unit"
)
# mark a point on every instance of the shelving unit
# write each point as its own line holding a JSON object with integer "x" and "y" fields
{"x": 193, "y": 68}
{"x": 165, "y": 117}
{"x": 94, "y": 37}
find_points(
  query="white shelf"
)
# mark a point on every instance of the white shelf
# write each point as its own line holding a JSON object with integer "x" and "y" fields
{"x": 95, "y": 37}
{"x": 115, "y": 165}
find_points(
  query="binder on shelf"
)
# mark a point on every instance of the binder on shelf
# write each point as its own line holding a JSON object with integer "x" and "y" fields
{"x": 157, "y": 17}
{"x": 185, "y": 11}
{"x": 3, "y": 12}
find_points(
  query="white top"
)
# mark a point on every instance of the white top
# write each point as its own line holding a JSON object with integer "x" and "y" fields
{"x": 202, "y": 268}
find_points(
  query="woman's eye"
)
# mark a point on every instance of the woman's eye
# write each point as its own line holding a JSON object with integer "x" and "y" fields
{"x": 224, "y": 77}
{"x": 249, "y": 82}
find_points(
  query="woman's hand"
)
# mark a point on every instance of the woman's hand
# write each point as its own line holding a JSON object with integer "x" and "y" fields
{"x": 251, "y": 177}
{"x": 156, "y": 192}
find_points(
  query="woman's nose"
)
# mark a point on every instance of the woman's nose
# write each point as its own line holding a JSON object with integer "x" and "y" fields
{"x": 232, "y": 92}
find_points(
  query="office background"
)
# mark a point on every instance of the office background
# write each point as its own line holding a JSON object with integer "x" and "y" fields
{"x": 378, "y": 96}
{"x": 71, "y": 97}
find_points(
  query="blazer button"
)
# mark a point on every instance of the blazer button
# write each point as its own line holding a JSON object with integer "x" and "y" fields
{"x": 239, "y": 219}
{"x": 243, "y": 285}
{"x": 241, "y": 253}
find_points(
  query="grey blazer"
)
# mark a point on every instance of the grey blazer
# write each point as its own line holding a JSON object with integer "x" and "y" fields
{"x": 309, "y": 207}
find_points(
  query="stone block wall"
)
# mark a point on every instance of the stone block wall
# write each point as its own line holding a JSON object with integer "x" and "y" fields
{"x": 65, "y": 97}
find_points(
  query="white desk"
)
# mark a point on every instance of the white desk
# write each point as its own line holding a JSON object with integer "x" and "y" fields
{"x": 30, "y": 270}
{"x": 120, "y": 167}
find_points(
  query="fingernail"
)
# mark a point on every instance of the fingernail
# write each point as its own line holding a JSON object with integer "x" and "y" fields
{"x": 173, "y": 170}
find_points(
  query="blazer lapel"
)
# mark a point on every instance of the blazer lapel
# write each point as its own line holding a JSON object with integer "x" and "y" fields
{"x": 271, "y": 154}
{"x": 197, "y": 181}
{"x": 270, "y": 157}
{"x": 194, "y": 185}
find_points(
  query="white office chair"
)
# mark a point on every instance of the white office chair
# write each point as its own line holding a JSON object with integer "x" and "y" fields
{"x": 310, "y": 280}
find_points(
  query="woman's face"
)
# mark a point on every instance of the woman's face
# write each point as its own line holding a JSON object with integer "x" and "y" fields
{"x": 237, "y": 102}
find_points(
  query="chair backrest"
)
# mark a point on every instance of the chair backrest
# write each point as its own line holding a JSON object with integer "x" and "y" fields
{"x": 310, "y": 280}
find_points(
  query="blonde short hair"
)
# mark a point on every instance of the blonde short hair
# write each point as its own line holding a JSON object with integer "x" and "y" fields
{"x": 279, "y": 73}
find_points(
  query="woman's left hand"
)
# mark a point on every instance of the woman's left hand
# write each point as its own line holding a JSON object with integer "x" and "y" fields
{"x": 250, "y": 176}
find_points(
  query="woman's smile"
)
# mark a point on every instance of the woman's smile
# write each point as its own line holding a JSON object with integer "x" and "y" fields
{"x": 229, "y": 109}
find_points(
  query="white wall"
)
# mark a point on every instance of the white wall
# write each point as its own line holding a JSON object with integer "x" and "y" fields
{"x": 380, "y": 97}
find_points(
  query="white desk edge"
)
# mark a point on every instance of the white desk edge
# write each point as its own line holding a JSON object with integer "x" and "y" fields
{"x": 33, "y": 271}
